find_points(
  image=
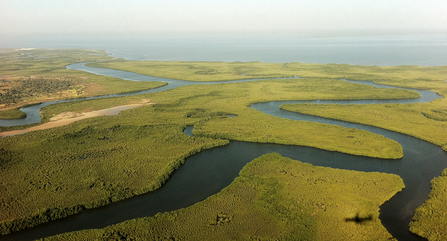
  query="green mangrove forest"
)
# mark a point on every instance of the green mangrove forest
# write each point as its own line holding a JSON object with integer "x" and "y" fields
{"x": 49, "y": 174}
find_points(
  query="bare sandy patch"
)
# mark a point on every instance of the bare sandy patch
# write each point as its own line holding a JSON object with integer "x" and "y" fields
{"x": 69, "y": 117}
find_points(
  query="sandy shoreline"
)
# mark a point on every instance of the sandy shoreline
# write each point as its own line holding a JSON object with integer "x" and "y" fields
{"x": 69, "y": 117}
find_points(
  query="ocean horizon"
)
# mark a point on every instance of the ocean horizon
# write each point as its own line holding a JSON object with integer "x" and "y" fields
{"x": 429, "y": 49}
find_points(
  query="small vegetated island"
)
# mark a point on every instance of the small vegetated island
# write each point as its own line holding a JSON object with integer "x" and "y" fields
{"x": 56, "y": 172}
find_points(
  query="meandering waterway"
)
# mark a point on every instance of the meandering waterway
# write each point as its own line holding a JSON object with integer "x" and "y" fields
{"x": 209, "y": 171}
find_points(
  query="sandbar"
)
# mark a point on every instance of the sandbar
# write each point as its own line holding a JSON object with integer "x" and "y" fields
{"x": 66, "y": 118}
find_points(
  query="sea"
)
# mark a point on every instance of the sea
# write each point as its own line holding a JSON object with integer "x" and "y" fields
{"x": 387, "y": 49}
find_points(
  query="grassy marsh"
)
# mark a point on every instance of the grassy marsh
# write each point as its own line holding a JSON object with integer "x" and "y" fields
{"x": 136, "y": 151}
{"x": 37, "y": 75}
{"x": 430, "y": 219}
{"x": 404, "y": 118}
{"x": 274, "y": 198}
{"x": 215, "y": 71}
{"x": 424, "y": 121}
{"x": 41, "y": 170}
{"x": 12, "y": 114}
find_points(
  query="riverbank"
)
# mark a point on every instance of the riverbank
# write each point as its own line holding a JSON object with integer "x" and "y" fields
{"x": 70, "y": 117}
{"x": 275, "y": 198}
{"x": 27, "y": 80}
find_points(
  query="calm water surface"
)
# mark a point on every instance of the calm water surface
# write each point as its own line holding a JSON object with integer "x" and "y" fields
{"x": 348, "y": 48}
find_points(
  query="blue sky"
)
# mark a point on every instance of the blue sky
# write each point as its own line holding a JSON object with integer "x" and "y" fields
{"x": 133, "y": 16}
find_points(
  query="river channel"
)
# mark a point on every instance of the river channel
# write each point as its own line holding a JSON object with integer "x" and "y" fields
{"x": 209, "y": 171}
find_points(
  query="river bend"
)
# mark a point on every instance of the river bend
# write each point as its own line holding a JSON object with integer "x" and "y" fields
{"x": 209, "y": 171}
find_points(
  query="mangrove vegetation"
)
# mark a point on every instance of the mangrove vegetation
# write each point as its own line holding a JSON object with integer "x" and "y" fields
{"x": 49, "y": 174}
{"x": 34, "y": 76}
{"x": 274, "y": 198}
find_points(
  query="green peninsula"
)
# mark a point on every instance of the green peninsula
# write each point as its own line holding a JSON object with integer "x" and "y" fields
{"x": 274, "y": 198}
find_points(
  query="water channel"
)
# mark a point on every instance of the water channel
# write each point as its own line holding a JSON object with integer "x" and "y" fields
{"x": 209, "y": 171}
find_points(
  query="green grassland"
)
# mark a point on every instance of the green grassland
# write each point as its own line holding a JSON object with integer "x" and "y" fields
{"x": 120, "y": 156}
{"x": 274, "y": 198}
{"x": 33, "y": 76}
{"x": 417, "y": 77}
{"x": 426, "y": 121}
{"x": 200, "y": 103}
{"x": 430, "y": 218}
{"x": 18, "y": 62}
{"x": 215, "y": 71}
{"x": 403, "y": 118}
{"x": 12, "y": 114}
{"x": 50, "y": 174}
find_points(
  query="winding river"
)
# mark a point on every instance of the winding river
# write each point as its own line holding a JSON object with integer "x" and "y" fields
{"x": 209, "y": 171}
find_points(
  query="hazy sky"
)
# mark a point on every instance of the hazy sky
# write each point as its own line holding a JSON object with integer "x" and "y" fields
{"x": 110, "y": 16}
